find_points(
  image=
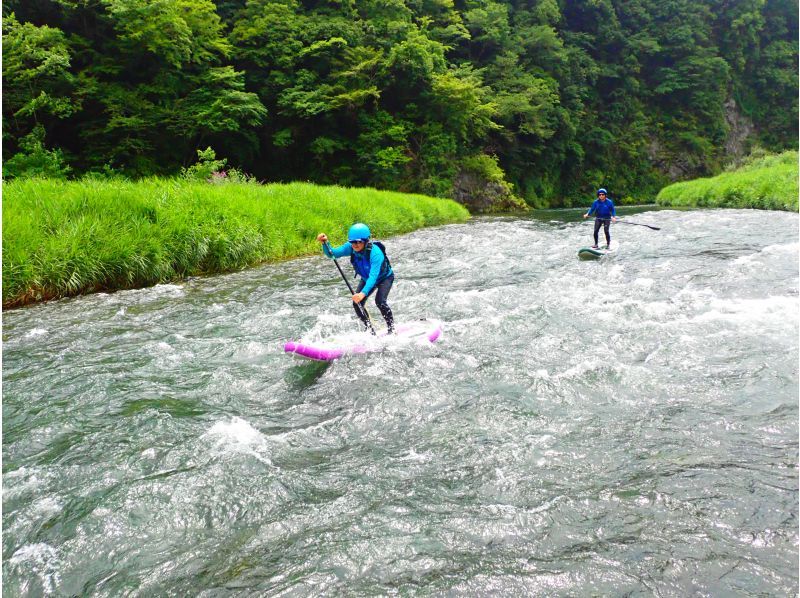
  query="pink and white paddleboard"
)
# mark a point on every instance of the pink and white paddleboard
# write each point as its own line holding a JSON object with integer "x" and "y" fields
{"x": 334, "y": 347}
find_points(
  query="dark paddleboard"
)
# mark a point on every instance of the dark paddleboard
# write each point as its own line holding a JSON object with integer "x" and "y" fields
{"x": 588, "y": 253}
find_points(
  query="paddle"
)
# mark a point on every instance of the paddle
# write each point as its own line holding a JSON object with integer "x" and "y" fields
{"x": 637, "y": 224}
{"x": 367, "y": 319}
{"x": 633, "y": 223}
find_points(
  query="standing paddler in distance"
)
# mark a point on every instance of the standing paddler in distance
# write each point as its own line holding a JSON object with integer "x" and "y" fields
{"x": 371, "y": 265}
{"x": 605, "y": 213}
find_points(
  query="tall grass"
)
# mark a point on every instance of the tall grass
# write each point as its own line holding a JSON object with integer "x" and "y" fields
{"x": 767, "y": 183}
{"x": 67, "y": 238}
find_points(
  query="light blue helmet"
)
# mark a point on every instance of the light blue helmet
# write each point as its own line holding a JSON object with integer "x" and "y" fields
{"x": 358, "y": 232}
{"x": 601, "y": 190}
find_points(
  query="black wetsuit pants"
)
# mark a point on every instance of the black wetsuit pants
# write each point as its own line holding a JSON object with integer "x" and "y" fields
{"x": 605, "y": 222}
{"x": 382, "y": 293}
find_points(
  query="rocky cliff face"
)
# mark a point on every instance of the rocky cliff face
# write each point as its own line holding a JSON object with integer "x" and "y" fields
{"x": 676, "y": 168}
{"x": 482, "y": 196}
{"x": 682, "y": 166}
{"x": 740, "y": 131}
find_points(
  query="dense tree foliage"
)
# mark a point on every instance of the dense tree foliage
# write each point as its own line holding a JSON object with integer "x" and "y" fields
{"x": 401, "y": 94}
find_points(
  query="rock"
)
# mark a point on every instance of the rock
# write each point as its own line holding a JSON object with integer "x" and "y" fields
{"x": 740, "y": 129}
{"x": 481, "y": 196}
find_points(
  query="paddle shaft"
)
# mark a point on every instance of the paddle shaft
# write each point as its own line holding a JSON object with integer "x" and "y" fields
{"x": 637, "y": 224}
{"x": 633, "y": 223}
{"x": 367, "y": 319}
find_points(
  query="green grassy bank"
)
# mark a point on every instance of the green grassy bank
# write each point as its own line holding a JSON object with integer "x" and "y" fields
{"x": 67, "y": 238}
{"x": 767, "y": 183}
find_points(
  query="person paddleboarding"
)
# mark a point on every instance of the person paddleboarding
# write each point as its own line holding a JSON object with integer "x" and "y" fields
{"x": 371, "y": 265}
{"x": 605, "y": 213}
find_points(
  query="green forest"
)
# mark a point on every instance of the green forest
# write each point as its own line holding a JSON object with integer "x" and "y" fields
{"x": 546, "y": 99}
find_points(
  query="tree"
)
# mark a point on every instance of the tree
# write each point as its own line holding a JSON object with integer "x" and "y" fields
{"x": 38, "y": 85}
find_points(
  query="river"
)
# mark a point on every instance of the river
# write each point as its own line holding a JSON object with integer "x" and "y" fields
{"x": 627, "y": 426}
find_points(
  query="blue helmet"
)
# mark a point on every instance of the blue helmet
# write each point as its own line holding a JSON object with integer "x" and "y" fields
{"x": 358, "y": 232}
{"x": 603, "y": 191}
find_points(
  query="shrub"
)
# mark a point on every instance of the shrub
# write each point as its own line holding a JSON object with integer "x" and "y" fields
{"x": 34, "y": 160}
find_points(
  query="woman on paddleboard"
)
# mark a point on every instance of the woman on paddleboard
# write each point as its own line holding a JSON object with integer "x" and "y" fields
{"x": 605, "y": 213}
{"x": 372, "y": 266}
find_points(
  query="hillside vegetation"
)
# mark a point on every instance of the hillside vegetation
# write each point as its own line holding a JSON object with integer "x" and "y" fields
{"x": 549, "y": 99}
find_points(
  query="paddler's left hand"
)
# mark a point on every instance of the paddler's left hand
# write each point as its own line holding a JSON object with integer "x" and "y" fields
{"x": 613, "y": 219}
{"x": 358, "y": 297}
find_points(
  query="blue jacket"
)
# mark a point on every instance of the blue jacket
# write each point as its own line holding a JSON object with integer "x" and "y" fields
{"x": 602, "y": 209}
{"x": 368, "y": 270}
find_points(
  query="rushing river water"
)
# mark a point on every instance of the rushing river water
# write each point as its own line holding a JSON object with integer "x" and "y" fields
{"x": 621, "y": 427}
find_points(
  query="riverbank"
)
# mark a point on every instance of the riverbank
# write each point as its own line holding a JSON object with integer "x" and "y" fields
{"x": 767, "y": 183}
{"x": 63, "y": 239}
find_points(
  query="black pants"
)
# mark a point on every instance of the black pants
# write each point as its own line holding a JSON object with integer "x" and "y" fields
{"x": 605, "y": 222}
{"x": 382, "y": 293}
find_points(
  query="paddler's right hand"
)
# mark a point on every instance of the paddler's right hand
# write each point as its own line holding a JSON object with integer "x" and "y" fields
{"x": 322, "y": 238}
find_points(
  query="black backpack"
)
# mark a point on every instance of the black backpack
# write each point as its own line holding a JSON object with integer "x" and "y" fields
{"x": 385, "y": 266}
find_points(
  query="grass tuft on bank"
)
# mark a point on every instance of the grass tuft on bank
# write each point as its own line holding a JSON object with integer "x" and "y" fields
{"x": 65, "y": 238}
{"x": 767, "y": 183}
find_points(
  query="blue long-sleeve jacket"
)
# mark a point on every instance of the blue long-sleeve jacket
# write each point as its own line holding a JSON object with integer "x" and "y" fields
{"x": 602, "y": 209}
{"x": 370, "y": 270}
